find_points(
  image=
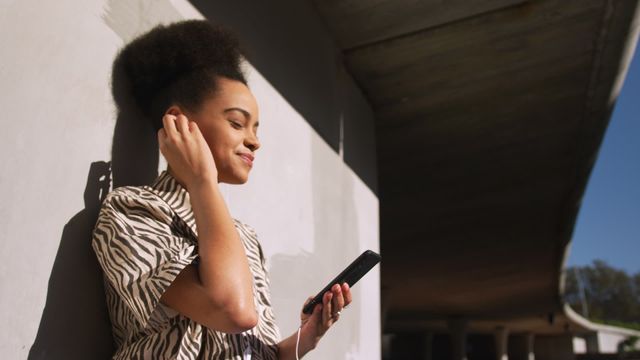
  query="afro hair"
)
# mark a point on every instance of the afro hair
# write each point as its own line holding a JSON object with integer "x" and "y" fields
{"x": 178, "y": 64}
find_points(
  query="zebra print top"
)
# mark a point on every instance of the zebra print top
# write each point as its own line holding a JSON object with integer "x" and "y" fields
{"x": 144, "y": 237}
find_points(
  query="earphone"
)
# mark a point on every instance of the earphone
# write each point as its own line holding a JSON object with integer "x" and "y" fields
{"x": 298, "y": 342}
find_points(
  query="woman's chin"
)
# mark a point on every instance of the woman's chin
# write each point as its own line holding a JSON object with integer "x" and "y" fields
{"x": 237, "y": 179}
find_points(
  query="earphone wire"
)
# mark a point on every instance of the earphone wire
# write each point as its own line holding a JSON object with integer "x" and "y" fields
{"x": 298, "y": 342}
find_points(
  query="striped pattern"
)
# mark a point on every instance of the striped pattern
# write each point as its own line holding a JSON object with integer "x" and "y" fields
{"x": 143, "y": 238}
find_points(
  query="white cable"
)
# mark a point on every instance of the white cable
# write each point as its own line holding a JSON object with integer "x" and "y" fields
{"x": 298, "y": 342}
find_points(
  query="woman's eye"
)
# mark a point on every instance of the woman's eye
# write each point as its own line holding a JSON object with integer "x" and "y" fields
{"x": 235, "y": 124}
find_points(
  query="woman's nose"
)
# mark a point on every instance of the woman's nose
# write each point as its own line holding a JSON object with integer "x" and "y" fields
{"x": 252, "y": 142}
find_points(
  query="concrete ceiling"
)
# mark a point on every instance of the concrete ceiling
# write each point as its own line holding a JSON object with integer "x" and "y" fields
{"x": 489, "y": 116}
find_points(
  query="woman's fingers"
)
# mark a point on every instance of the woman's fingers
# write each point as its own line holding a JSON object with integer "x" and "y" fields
{"x": 338, "y": 300}
{"x": 182, "y": 124}
{"x": 169, "y": 123}
{"x": 193, "y": 126}
{"x": 333, "y": 302}
{"x": 175, "y": 125}
{"x": 326, "y": 308}
{"x": 346, "y": 292}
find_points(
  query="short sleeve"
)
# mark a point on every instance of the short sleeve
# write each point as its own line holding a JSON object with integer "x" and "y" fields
{"x": 138, "y": 249}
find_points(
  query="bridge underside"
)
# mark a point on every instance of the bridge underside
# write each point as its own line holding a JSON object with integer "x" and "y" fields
{"x": 489, "y": 116}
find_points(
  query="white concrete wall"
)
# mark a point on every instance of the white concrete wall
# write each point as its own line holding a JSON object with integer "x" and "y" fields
{"x": 579, "y": 345}
{"x": 608, "y": 342}
{"x": 312, "y": 213}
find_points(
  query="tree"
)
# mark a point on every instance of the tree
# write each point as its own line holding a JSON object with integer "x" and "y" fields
{"x": 603, "y": 293}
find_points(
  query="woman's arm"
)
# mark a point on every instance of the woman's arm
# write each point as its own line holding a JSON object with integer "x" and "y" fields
{"x": 218, "y": 293}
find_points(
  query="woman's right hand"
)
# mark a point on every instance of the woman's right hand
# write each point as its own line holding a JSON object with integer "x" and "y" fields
{"x": 186, "y": 151}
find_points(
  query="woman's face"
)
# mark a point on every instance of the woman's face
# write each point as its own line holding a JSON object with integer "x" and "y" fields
{"x": 229, "y": 123}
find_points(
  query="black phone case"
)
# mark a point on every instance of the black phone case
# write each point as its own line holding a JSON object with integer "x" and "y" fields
{"x": 351, "y": 274}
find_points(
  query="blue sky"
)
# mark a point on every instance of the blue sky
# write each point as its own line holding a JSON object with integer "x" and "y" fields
{"x": 608, "y": 224}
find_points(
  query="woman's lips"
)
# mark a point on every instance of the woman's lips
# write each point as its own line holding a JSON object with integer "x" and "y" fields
{"x": 247, "y": 158}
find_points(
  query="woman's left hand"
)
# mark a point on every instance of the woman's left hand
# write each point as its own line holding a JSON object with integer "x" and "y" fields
{"x": 324, "y": 315}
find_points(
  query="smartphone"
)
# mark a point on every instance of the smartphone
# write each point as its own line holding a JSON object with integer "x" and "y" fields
{"x": 356, "y": 270}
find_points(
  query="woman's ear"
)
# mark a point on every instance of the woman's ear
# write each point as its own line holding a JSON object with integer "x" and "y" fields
{"x": 174, "y": 110}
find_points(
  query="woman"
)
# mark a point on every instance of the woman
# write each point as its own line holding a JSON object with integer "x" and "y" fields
{"x": 183, "y": 279}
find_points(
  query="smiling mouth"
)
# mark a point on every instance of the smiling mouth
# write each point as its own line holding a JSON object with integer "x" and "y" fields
{"x": 247, "y": 160}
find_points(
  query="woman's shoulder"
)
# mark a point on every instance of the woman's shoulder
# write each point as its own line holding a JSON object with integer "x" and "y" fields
{"x": 130, "y": 191}
{"x": 129, "y": 211}
{"x": 134, "y": 198}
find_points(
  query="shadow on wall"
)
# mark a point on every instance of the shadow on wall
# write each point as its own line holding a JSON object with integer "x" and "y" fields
{"x": 75, "y": 321}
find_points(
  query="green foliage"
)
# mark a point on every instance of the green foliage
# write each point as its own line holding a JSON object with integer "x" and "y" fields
{"x": 604, "y": 294}
{"x": 628, "y": 345}
{"x": 624, "y": 324}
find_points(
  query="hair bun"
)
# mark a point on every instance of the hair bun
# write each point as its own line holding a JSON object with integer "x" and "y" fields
{"x": 161, "y": 57}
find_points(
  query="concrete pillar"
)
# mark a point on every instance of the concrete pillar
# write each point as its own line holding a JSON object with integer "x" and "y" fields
{"x": 502, "y": 340}
{"x": 387, "y": 340}
{"x": 428, "y": 346}
{"x": 458, "y": 329}
{"x": 521, "y": 347}
{"x": 530, "y": 341}
{"x": 592, "y": 343}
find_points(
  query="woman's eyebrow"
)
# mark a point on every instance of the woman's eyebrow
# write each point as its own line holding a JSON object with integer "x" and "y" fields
{"x": 243, "y": 111}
